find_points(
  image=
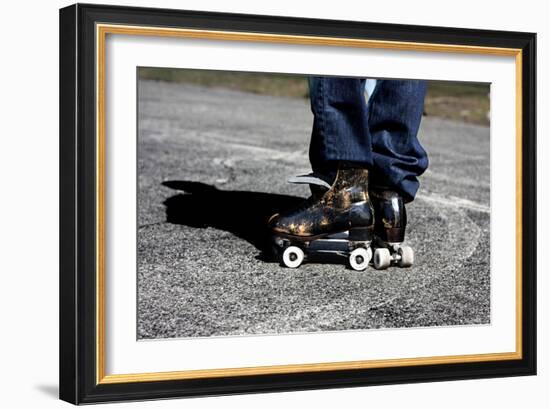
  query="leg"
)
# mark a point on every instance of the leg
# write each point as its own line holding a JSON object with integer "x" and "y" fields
{"x": 340, "y": 130}
{"x": 395, "y": 111}
{"x": 340, "y": 154}
{"x": 394, "y": 114}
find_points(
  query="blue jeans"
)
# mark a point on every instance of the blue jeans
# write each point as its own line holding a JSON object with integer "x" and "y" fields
{"x": 380, "y": 135}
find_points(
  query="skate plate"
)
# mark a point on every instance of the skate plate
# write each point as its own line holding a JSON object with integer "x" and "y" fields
{"x": 294, "y": 252}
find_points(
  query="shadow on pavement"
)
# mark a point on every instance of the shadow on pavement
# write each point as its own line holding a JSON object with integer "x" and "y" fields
{"x": 243, "y": 213}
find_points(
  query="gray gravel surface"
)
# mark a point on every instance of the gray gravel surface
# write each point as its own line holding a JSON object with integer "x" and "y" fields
{"x": 213, "y": 166}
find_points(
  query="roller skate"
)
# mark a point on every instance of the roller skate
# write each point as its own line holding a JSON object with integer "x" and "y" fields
{"x": 389, "y": 230}
{"x": 337, "y": 219}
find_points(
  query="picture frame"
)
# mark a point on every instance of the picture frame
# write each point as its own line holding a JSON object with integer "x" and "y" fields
{"x": 83, "y": 177}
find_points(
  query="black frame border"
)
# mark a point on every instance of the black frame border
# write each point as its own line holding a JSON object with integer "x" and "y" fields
{"x": 78, "y": 197}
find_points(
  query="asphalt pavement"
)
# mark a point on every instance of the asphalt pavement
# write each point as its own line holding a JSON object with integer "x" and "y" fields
{"x": 212, "y": 167}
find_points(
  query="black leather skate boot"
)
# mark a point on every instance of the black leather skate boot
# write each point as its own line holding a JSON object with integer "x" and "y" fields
{"x": 390, "y": 224}
{"x": 339, "y": 212}
{"x": 345, "y": 206}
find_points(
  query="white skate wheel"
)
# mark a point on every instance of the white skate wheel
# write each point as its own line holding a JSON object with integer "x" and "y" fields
{"x": 293, "y": 256}
{"x": 382, "y": 258}
{"x": 359, "y": 258}
{"x": 407, "y": 256}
